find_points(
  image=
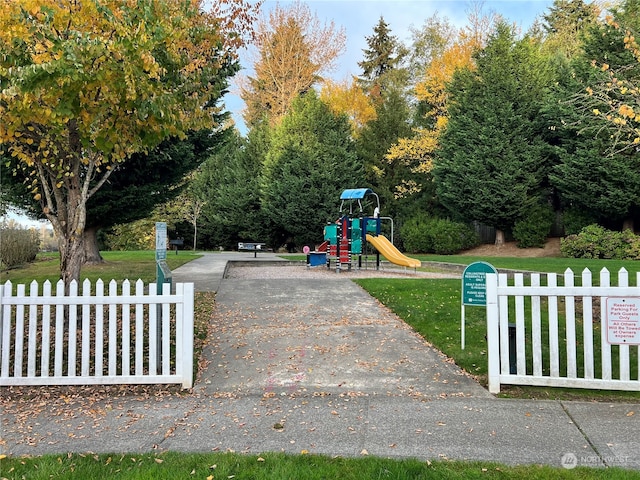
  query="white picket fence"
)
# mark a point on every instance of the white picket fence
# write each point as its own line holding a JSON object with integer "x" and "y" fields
{"x": 563, "y": 346}
{"x": 96, "y": 338}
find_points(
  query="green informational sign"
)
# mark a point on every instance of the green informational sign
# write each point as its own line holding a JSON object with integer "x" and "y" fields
{"x": 474, "y": 283}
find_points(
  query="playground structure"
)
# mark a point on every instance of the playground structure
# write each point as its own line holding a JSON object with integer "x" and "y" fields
{"x": 345, "y": 240}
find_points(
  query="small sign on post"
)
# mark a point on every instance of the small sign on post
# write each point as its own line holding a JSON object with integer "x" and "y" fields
{"x": 474, "y": 289}
{"x": 623, "y": 320}
{"x": 161, "y": 241}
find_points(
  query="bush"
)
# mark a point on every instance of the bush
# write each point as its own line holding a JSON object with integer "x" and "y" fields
{"x": 595, "y": 241}
{"x": 533, "y": 230}
{"x": 423, "y": 234}
{"x": 575, "y": 220}
{"x": 415, "y": 234}
{"x": 17, "y": 246}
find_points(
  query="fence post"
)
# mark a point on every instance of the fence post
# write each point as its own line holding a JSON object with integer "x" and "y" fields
{"x": 187, "y": 334}
{"x": 493, "y": 341}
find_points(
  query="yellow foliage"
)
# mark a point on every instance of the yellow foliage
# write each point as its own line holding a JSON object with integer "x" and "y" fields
{"x": 349, "y": 99}
{"x": 417, "y": 152}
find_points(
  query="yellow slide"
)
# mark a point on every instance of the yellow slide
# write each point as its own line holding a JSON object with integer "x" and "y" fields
{"x": 391, "y": 253}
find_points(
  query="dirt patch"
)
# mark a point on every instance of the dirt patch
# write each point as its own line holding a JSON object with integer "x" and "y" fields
{"x": 510, "y": 249}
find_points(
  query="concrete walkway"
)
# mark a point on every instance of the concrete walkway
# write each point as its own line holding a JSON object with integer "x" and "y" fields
{"x": 317, "y": 365}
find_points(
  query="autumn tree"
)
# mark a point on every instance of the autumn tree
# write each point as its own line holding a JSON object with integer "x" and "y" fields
{"x": 447, "y": 53}
{"x": 137, "y": 186}
{"x": 84, "y": 85}
{"x": 428, "y": 42}
{"x": 351, "y": 100}
{"x": 293, "y": 48}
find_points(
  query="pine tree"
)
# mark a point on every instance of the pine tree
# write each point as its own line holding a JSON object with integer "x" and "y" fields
{"x": 596, "y": 177}
{"x": 491, "y": 165}
{"x": 310, "y": 161}
{"x": 566, "y": 24}
{"x": 383, "y": 56}
{"x": 228, "y": 182}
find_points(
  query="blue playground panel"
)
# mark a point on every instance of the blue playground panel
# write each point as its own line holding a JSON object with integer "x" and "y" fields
{"x": 316, "y": 259}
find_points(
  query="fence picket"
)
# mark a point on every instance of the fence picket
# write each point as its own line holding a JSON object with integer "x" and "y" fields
{"x": 113, "y": 329}
{"x": 126, "y": 330}
{"x": 536, "y": 328}
{"x": 570, "y": 326}
{"x": 79, "y": 354}
{"x": 73, "y": 331}
{"x": 139, "y": 329}
{"x": 59, "y": 346}
{"x": 86, "y": 330}
{"x": 554, "y": 345}
{"x": 7, "y": 290}
{"x": 33, "y": 331}
{"x": 19, "y": 343}
{"x": 520, "y": 329}
{"x": 46, "y": 331}
{"x": 99, "y": 338}
{"x": 166, "y": 332}
{"x": 153, "y": 334}
{"x": 623, "y": 281}
{"x": 605, "y": 348}
{"x": 504, "y": 327}
{"x": 587, "y": 327}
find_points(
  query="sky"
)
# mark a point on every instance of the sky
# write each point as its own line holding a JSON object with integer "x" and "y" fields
{"x": 359, "y": 17}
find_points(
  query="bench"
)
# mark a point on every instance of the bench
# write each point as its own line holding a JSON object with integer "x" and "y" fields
{"x": 176, "y": 244}
{"x": 254, "y": 247}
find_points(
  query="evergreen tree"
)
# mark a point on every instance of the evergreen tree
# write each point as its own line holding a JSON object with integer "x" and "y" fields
{"x": 310, "y": 161}
{"x": 491, "y": 165}
{"x": 228, "y": 183}
{"x": 565, "y": 25}
{"x": 382, "y": 57}
{"x": 594, "y": 178}
{"x": 386, "y": 81}
{"x": 391, "y": 123}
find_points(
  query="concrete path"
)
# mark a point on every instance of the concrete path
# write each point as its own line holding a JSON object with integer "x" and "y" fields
{"x": 317, "y": 365}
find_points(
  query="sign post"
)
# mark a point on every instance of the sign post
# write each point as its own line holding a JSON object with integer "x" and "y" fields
{"x": 161, "y": 268}
{"x": 474, "y": 289}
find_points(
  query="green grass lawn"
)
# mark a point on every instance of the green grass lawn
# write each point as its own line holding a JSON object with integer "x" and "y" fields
{"x": 117, "y": 266}
{"x": 276, "y": 466}
{"x": 544, "y": 264}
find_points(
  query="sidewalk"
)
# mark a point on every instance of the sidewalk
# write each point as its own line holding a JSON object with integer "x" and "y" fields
{"x": 317, "y": 365}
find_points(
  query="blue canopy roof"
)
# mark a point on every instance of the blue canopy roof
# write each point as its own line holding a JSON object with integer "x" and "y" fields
{"x": 355, "y": 193}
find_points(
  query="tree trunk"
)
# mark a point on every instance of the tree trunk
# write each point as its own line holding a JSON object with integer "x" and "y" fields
{"x": 71, "y": 257}
{"x": 628, "y": 224}
{"x": 499, "y": 237}
{"x": 91, "y": 251}
{"x": 195, "y": 234}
